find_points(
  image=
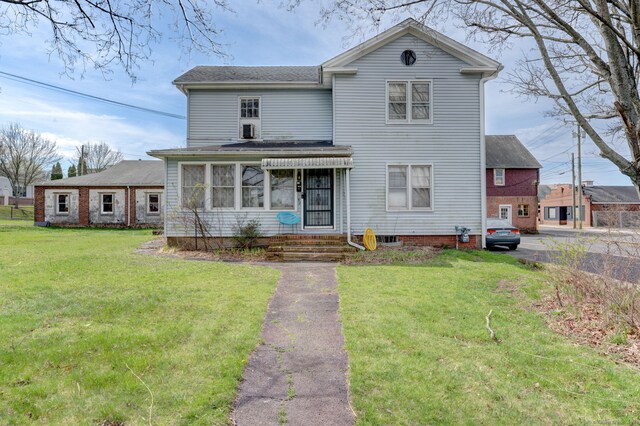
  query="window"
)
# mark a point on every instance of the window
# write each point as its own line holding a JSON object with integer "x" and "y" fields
{"x": 498, "y": 177}
{"x": 106, "y": 203}
{"x": 193, "y": 176}
{"x": 249, "y": 107}
{"x": 62, "y": 203}
{"x": 523, "y": 210}
{"x": 223, "y": 185}
{"x": 409, "y": 101}
{"x": 409, "y": 187}
{"x": 153, "y": 203}
{"x": 252, "y": 187}
{"x": 282, "y": 190}
{"x": 551, "y": 212}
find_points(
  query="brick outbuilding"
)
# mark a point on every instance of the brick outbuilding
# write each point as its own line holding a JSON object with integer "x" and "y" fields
{"x": 128, "y": 194}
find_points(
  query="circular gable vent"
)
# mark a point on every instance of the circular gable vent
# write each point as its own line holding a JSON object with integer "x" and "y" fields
{"x": 408, "y": 57}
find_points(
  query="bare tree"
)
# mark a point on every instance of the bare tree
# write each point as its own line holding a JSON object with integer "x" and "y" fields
{"x": 98, "y": 156}
{"x": 104, "y": 33}
{"x": 587, "y": 56}
{"x": 24, "y": 156}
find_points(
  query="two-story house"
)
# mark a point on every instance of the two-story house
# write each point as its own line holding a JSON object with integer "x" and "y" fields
{"x": 387, "y": 135}
{"x": 513, "y": 175}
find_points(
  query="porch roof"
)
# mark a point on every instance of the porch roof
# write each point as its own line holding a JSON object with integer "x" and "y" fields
{"x": 264, "y": 148}
{"x": 308, "y": 163}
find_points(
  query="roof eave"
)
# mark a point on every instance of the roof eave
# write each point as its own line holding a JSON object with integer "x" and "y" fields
{"x": 263, "y": 152}
{"x": 186, "y": 86}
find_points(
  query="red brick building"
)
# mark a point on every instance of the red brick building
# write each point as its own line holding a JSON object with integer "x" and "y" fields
{"x": 603, "y": 206}
{"x": 512, "y": 176}
{"x": 128, "y": 194}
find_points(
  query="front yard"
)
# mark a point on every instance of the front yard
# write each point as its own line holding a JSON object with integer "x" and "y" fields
{"x": 91, "y": 333}
{"x": 419, "y": 352}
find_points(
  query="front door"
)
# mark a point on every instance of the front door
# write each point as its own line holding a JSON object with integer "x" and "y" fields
{"x": 318, "y": 198}
{"x": 505, "y": 212}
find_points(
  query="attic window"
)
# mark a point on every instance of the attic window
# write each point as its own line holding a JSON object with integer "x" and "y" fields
{"x": 408, "y": 57}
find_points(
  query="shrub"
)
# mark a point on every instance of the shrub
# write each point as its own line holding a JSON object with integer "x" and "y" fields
{"x": 246, "y": 232}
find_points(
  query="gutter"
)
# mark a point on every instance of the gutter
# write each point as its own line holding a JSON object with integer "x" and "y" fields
{"x": 295, "y": 153}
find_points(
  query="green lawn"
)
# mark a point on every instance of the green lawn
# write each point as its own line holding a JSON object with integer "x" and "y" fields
{"x": 80, "y": 314}
{"x": 419, "y": 351}
{"x": 21, "y": 213}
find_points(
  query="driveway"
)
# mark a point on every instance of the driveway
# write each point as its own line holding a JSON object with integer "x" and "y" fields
{"x": 616, "y": 250}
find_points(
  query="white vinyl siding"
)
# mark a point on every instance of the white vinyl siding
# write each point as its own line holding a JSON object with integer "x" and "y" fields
{"x": 451, "y": 144}
{"x": 295, "y": 114}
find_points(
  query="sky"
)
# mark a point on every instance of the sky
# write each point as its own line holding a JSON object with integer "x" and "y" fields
{"x": 255, "y": 33}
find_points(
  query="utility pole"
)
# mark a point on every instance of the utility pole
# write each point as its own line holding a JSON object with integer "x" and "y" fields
{"x": 81, "y": 162}
{"x": 573, "y": 189}
{"x": 579, "y": 176}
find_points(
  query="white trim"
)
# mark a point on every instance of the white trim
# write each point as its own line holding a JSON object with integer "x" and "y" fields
{"x": 410, "y": 208}
{"x": 483, "y": 158}
{"x": 264, "y": 187}
{"x": 257, "y": 122}
{"x": 495, "y": 177}
{"x": 146, "y": 196}
{"x": 113, "y": 203}
{"x": 235, "y": 185}
{"x": 66, "y": 194}
{"x": 429, "y": 35}
{"x": 295, "y": 193}
{"x": 409, "y": 94}
{"x": 509, "y": 207}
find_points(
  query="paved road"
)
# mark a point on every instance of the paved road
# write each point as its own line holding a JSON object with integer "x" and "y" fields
{"x": 618, "y": 252}
{"x": 298, "y": 375}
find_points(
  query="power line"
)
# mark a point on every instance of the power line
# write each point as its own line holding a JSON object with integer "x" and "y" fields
{"x": 33, "y": 82}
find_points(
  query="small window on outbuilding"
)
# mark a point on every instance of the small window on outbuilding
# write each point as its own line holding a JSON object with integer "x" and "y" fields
{"x": 106, "y": 203}
{"x": 62, "y": 203}
{"x": 153, "y": 203}
{"x": 498, "y": 177}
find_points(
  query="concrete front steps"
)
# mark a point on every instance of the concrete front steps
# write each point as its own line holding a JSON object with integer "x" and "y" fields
{"x": 309, "y": 248}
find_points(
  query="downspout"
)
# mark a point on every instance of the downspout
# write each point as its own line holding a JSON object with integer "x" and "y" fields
{"x": 351, "y": 243}
{"x": 483, "y": 156}
{"x": 128, "y": 206}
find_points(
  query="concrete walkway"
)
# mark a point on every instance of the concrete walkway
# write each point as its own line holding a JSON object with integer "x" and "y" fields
{"x": 297, "y": 376}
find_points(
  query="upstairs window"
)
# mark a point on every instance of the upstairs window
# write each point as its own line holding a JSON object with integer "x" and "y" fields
{"x": 62, "y": 203}
{"x": 498, "y": 177}
{"x": 249, "y": 107}
{"x": 409, "y": 102}
{"x": 106, "y": 203}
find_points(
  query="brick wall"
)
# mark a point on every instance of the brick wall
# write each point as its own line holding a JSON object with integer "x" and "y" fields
{"x": 517, "y": 182}
{"x": 561, "y": 197}
{"x": 525, "y": 224}
{"x": 84, "y": 207}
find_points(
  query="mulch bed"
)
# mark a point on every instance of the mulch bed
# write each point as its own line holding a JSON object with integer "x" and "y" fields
{"x": 157, "y": 247}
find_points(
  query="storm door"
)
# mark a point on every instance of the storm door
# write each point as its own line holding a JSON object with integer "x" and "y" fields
{"x": 318, "y": 197}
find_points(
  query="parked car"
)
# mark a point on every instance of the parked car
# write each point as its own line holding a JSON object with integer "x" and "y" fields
{"x": 501, "y": 233}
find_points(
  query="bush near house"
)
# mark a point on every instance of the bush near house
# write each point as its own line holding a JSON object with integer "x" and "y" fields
{"x": 420, "y": 353}
{"x": 92, "y": 333}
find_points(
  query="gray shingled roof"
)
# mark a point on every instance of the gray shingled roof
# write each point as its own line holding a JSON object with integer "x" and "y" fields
{"x": 128, "y": 172}
{"x": 217, "y": 74}
{"x": 612, "y": 194}
{"x": 507, "y": 152}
